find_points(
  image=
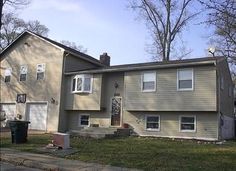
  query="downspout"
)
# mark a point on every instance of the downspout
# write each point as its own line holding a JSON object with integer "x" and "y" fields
{"x": 64, "y": 61}
{"x": 62, "y": 94}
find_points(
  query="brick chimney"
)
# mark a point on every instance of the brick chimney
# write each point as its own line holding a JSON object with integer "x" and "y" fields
{"x": 105, "y": 59}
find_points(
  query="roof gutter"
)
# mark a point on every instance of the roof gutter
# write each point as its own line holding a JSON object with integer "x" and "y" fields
{"x": 136, "y": 68}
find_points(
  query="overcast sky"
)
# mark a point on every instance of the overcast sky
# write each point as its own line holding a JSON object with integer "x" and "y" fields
{"x": 105, "y": 26}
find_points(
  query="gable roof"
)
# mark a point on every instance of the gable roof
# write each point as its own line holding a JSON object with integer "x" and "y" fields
{"x": 57, "y": 45}
{"x": 153, "y": 65}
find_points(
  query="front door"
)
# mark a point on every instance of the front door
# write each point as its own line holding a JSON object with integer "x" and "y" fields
{"x": 116, "y": 111}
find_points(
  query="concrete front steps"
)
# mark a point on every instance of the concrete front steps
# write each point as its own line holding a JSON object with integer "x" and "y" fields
{"x": 98, "y": 132}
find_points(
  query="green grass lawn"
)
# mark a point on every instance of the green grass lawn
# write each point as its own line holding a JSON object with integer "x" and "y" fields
{"x": 144, "y": 153}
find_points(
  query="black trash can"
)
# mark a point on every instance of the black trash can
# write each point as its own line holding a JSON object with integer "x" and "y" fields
{"x": 19, "y": 131}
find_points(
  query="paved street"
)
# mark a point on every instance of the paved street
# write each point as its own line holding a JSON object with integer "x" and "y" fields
{"x": 48, "y": 162}
{"x": 10, "y": 167}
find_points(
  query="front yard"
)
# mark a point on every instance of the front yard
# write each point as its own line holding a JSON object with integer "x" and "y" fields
{"x": 142, "y": 153}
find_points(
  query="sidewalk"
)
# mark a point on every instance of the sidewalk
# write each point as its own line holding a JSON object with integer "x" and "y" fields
{"x": 46, "y": 162}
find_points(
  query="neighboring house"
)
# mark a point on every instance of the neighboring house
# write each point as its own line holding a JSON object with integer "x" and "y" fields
{"x": 68, "y": 90}
{"x": 235, "y": 98}
{"x": 34, "y": 66}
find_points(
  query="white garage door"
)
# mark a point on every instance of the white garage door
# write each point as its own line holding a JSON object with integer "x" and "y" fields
{"x": 37, "y": 115}
{"x": 10, "y": 111}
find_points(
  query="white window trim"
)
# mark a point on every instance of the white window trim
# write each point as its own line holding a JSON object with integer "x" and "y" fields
{"x": 5, "y": 79}
{"x": 71, "y": 87}
{"x": 195, "y": 123}
{"x": 7, "y": 75}
{"x": 152, "y": 129}
{"x": 82, "y": 76}
{"x": 25, "y": 78}
{"x": 185, "y": 89}
{"x": 80, "y": 120}
{"x": 25, "y": 74}
{"x": 155, "y": 84}
{"x": 41, "y": 72}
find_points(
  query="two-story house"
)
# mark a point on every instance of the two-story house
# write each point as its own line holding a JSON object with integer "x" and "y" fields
{"x": 67, "y": 90}
{"x": 33, "y": 68}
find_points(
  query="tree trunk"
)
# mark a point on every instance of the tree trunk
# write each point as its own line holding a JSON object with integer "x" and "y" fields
{"x": 1, "y": 6}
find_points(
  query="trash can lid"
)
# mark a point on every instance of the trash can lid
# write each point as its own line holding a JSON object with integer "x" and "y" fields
{"x": 17, "y": 121}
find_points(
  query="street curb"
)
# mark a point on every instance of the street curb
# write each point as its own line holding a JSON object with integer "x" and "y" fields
{"x": 27, "y": 163}
{"x": 17, "y": 158}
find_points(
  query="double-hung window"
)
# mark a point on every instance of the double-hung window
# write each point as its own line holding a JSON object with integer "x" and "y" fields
{"x": 23, "y": 72}
{"x": 153, "y": 122}
{"x": 84, "y": 120}
{"x": 7, "y": 75}
{"x": 149, "y": 81}
{"x": 82, "y": 83}
{"x": 187, "y": 123}
{"x": 185, "y": 79}
{"x": 40, "y": 71}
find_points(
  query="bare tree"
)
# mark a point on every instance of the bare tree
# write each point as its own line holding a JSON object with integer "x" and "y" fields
{"x": 166, "y": 19}
{"x": 73, "y": 45}
{"x": 15, "y": 4}
{"x": 36, "y": 27}
{"x": 1, "y": 8}
{"x": 14, "y": 26}
{"x": 222, "y": 17}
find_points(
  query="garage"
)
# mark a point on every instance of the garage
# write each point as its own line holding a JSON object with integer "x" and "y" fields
{"x": 36, "y": 113}
{"x": 10, "y": 111}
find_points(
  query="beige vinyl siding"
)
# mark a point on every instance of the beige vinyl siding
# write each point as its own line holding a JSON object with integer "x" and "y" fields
{"x": 36, "y": 51}
{"x": 109, "y": 90}
{"x": 84, "y": 101}
{"x": 167, "y": 97}
{"x": 206, "y": 124}
{"x": 100, "y": 118}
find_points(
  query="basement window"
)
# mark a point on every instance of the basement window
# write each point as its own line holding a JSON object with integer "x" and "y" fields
{"x": 187, "y": 123}
{"x": 82, "y": 83}
{"x": 8, "y": 72}
{"x": 153, "y": 122}
{"x": 84, "y": 120}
